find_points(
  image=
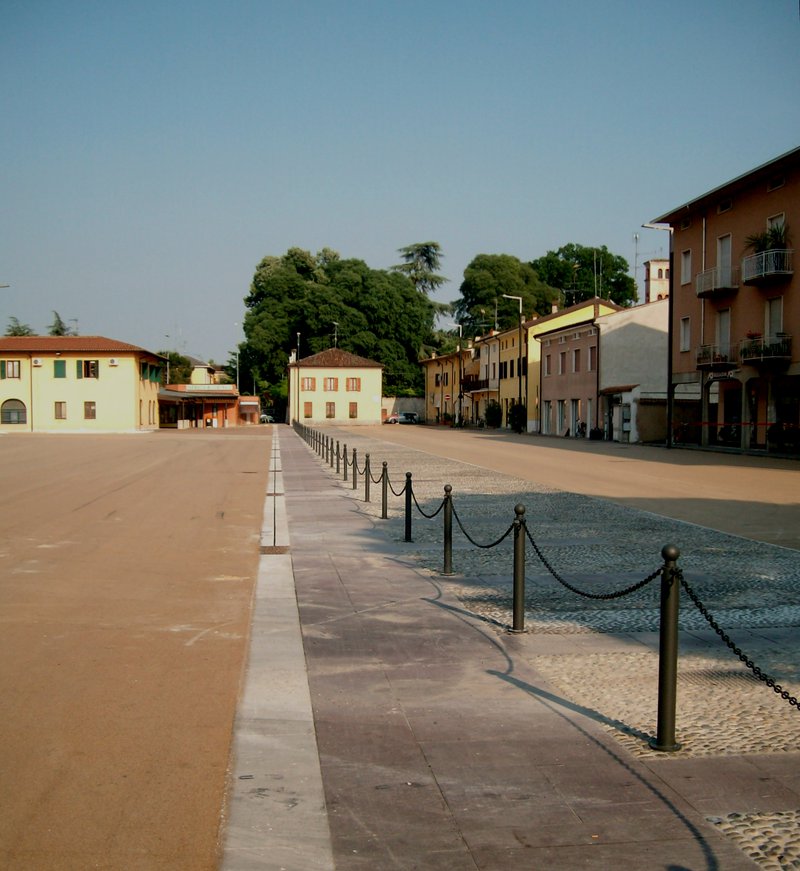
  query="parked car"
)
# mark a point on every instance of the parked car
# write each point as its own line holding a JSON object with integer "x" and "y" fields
{"x": 402, "y": 417}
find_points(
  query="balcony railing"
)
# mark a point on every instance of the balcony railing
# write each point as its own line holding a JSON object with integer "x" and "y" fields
{"x": 775, "y": 349}
{"x": 767, "y": 267}
{"x": 717, "y": 281}
{"x": 716, "y": 358}
{"x": 469, "y": 385}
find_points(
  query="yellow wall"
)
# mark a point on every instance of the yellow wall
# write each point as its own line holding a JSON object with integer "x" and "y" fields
{"x": 123, "y": 401}
{"x": 368, "y": 398}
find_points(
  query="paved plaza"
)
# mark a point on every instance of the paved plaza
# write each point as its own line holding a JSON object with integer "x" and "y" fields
{"x": 217, "y": 654}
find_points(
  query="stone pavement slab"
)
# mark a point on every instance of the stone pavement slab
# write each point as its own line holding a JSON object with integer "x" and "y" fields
{"x": 443, "y": 744}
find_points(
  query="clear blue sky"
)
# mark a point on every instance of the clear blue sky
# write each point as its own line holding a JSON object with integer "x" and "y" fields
{"x": 154, "y": 151}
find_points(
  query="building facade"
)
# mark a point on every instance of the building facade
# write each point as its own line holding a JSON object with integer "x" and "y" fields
{"x": 537, "y": 332}
{"x": 77, "y": 384}
{"x": 656, "y": 280}
{"x": 735, "y": 368}
{"x": 632, "y": 348}
{"x": 333, "y": 387}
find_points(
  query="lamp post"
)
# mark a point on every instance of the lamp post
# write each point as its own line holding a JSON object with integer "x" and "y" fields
{"x": 519, "y": 349}
{"x": 460, "y": 371}
{"x": 670, "y": 327}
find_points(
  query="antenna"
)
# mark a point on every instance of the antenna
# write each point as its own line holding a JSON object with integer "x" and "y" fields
{"x": 335, "y": 333}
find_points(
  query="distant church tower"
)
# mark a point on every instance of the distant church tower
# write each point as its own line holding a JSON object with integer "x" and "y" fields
{"x": 656, "y": 280}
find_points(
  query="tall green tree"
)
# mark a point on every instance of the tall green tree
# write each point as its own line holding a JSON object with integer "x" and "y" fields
{"x": 179, "y": 368}
{"x": 582, "y": 272}
{"x": 297, "y": 301}
{"x": 15, "y": 328}
{"x": 58, "y": 327}
{"x": 421, "y": 262}
{"x": 486, "y": 279}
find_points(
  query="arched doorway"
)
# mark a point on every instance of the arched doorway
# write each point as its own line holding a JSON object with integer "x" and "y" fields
{"x": 13, "y": 411}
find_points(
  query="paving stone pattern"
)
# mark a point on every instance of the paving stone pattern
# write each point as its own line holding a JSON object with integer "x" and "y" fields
{"x": 751, "y": 589}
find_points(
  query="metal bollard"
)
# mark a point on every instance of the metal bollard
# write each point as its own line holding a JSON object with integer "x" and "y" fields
{"x": 668, "y": 653}
{"x": 408, "y": 506}
{"x": 330, "y": 453}
{"x": 518, "y": 624}
{"x": 355, "y": 469}
{"x": 385, "y": 491}
{"x": 448, "y": 530}
{"x": 344, "y": 457}
{"x": 337, "y": 457}
{"x": 366, "y": 478}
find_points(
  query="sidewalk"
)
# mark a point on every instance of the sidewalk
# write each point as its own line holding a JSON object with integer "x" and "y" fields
{"x": 446, "y": 743}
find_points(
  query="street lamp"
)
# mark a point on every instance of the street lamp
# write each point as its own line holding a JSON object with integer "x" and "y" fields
{"x": 519, "y": 349}
{"x": 460, "y": 376}
{"x": 670, "y": 327}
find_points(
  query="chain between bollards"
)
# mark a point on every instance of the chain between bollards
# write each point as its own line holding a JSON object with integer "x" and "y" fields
{"x": 668, "y": 653}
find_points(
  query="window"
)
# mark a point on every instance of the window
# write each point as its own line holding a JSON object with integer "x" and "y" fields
{"x": 61, "y": 411}
{"x": 438, "y": 379}
{"x": 512, "y": 369}
{"x": 308, "y": 384}
{"x": 353, "y": 411}
{"x": 724, "y": 260}
{"x": 724, "y": 330}
{"x": 59, "y": 368}
{"x": 562, "y": 363}
{"x": 593, "y": 358}
{"x": 354, "y": 385}
{"x": 576, "y": 360}
{"x": 9, "y": 368}
{"x": 686, "y": 334}
{"x": 774, "y": 316}
{"x": 660, "y": 273}
{"x": 547, "y": 365}
{"x": 13, "y": 411}
{"x": 330, "y": 385}
{"x": 686, "y": 267}
{"x": 306, "y": 409}
{"x": 89, "y": 411}
{"x": 88, "y": 368}
{"x": 330, "y": 410}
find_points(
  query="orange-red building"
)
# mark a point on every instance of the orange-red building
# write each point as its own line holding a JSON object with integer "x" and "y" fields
{"x": 735, "y": 310}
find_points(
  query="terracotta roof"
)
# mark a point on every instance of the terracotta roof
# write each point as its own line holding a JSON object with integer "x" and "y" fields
{"x": 337, "y": 358}
{"x": 73, "y": 344}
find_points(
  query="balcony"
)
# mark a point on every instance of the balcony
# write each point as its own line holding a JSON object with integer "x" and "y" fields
{"x": 474, "y": 385}
{"x": 766, "y": 351}
{"x": 717, "y": 281}
{"x": 716, "y": 358}
{"x": 768, "y": 267}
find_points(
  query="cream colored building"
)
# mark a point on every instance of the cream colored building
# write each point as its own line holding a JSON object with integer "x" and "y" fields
{"x": 77, "y": 384}
{"x": 333, "y": 387}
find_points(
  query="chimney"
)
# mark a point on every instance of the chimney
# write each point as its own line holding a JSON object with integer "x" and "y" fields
{"x": 554, "y": 308}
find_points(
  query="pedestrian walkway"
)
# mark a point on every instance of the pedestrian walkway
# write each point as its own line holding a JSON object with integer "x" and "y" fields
{"x": 440, "y": 741}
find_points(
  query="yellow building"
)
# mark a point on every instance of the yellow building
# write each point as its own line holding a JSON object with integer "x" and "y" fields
{"x": 333, "y": 387}
{"x": 446, "y": 400}
{"x": 77, "y": 384}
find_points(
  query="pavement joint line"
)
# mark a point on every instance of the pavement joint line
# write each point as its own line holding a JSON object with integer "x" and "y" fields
{"x": 274, "y": 735}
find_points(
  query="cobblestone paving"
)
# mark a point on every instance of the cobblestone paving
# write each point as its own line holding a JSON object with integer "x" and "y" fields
{"x": 599, "y": 546}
